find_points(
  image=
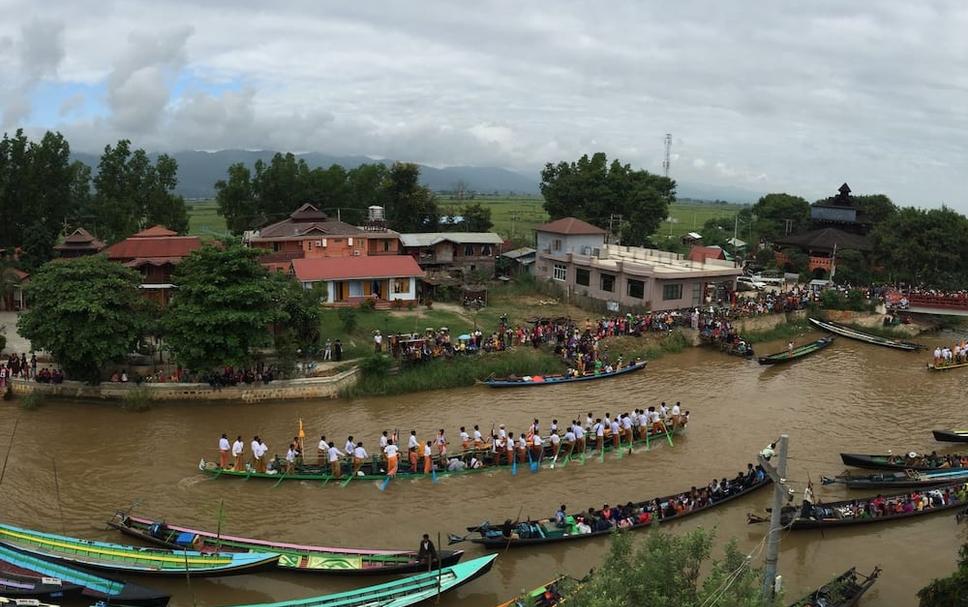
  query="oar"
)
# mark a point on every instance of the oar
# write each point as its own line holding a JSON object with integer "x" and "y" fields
{"x": 531, "y": 463}
{"x": 383, "y": 486}
{"x": 667, "y": 433}
{"x": 514, "y": 464}
{"x": 281, "y": 478}
{"x": 619, "y": 450}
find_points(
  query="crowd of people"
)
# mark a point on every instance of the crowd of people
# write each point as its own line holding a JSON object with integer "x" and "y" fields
{"x": 472, "y": 449}
{"x": 956, "y": 354}
{"x": 930, "y": 460}
{"x": 879, "y": 506}
{"x": 20, "y": 367}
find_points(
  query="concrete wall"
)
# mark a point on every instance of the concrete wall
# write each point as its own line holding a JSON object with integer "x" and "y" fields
{"x": 574, "y": 243}
{"x": 313, "y": 387}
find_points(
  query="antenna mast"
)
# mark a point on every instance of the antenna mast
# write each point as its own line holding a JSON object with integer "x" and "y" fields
{"x": 666, "y": 163}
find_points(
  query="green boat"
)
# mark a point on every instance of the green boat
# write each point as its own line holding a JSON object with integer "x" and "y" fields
{"x": 399, "y": 593}
{"x": 375, "y": 469}
{"x": 555, "y": 592}
{"x": 132, "y": 559}
{"x": 798, "y": 352}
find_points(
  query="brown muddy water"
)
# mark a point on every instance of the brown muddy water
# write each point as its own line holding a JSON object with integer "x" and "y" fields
{"x": 849, "y": 397}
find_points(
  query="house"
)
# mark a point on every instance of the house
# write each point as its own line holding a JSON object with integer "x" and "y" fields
{"x": 691, "y": 238}
{"x": 154, "y": 253}
{"x": 700, "y": 254}
{"x": 310, "y": 233}
{"x": 13, "y": 299}
{"x": 573, "y": 254}
{"x": 350, "y": 280}
{"x": 78, "y": 243}
{"x": 821, "y": 245}
{"x": 521, "y": 260}
{"x": 450, "y": 251}
{"x": 736, "y": 244}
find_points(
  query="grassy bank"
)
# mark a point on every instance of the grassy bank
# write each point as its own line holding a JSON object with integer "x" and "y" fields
{"x": 646, "y": 348}
{"x": 786, "y": 330}
{"x": 880, "y": 331}
{"x": 456, "y": 373}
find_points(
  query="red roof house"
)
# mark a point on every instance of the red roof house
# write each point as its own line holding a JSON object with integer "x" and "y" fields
{"x": 79, "y": 243}
{"x": 700, "y": 254}
{"x": 353, "y": 279}
{"x": 154, "y": 252}
{"x": 569, "y": 225}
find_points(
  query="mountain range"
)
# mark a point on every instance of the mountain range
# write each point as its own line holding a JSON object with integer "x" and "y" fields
{"x": 199, "y": 170}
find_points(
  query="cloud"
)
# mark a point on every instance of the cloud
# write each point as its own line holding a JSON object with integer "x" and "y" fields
{"x": 40, "y": 51}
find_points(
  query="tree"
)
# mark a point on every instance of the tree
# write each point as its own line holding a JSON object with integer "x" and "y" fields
{"x": 716, "y": 231}
{"x": 665, "y": 570}
{"x": 875, "y": 208}
{"x": 86, "y": 312}
{"x": 302, "y": 309}
{"x": 951, "y": 591}
{"x": 410, "y": 207}
{"x": 594, "y": 190}
{"x": 477, "y": 218}
{"x": 852, "y": 268}
{"x": 237, "y": 201}
{"x": 774, "y": 211}
{"x": 224, "y": 308}
{"x": 923, "y": 247}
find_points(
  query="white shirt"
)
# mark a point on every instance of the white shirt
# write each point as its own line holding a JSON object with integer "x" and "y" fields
{"x": 555, "y": 439}
{"x": 290, "y": 456}
{"x": 553, "y": 428}
{"x": 383, "y": 441}
{"x": 502, "y": 433}
{"x": 537, "y": 440}
{"x": 426, "y": 450}
{"x": 464, "y": 437}
{"x": 256, "y": 449}
{"x": 627, "y": 423}
{"x": 675, "y": 410}
{"x": 644, "y": 418}
{"x": 523, "y": 442}
{"x": 579, "y": 433}
{"x": 589, "y": 421}
{"x": 237, "y": 447}
{"x": 614, "y": 427}
{"x": 360, "y": 453}
{"x": 412, "y": 442}
{"x": 349, "y": 446}
{"x": 223, "y": 444}
{"x": 477, "y": 435}
{"x": 569, "y": 437}
{"x": 654, "y": 416}
{"x": 599, "y": 429}
{"x": 263, "y": 449}
{"x": 334, "y": 454}
{"x": 323, "y": 446}
{"x": 391, "y": 450}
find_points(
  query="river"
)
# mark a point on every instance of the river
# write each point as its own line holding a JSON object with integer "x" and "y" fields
{"x": 850, "y": 397}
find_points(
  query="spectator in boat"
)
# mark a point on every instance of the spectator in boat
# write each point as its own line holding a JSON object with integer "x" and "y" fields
{"x": 427, "y": 553}
{"x": 560, "y": 517}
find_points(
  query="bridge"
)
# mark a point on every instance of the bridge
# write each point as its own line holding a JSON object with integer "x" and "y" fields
{"x": 949, "y": 305}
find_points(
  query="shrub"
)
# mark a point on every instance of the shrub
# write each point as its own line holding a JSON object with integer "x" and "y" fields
{"x": 396, "y": 304}
{"x": 411, "y": 305}
{"x": 376, "y": 365}
{"x": 347, "y": 316}
{"x": 367, "y": 305}
{"x": 31, "y": 401}
{"x": 135, "y": 401}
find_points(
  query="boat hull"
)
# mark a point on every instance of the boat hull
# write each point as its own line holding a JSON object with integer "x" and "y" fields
{"x": 856, "y": 335}
{"x": 845, "y": 590}
{"x": 797, "y": 353}
{"x": 882, "y": 462}
{"x": 950, "y": 436}
{"x": 898, "y": 480}
{"x": 558, "y": 379}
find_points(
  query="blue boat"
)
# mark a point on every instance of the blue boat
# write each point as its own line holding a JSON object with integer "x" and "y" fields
{"x": 551, "y": 380}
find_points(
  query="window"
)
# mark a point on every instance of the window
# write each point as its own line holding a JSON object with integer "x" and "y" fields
{"x": 401, "y": 285}
{"x": 556, "y": 244}
{"x": 386, "y": 246}
{"x": 672, "y": 291}
{"x": 561, "y": 272}
{"x": 696, "y": 293}
{"x": 583, "y": 277}
{"x": 635, "y": 288}
{"x": 468, "y": 250}
{"x": 607, "y": 283}
{"x": 486, "y": 250}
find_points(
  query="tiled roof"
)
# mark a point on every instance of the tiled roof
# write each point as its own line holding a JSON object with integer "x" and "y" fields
{"x": 155, "y": 232}
{"x": 308, "y": 212}
{"x": 152, "y": 261}
{"x": 825, "y": 239}
{"x": 345, "y": 268}
{"x": 429, "y": 239}
{"x": 569, "y": 225}
{"x": 80, "y": 239}
{"x": 700, "y": 254}
{"x": 287, "y": 229}
{"x": 154, "y": 242}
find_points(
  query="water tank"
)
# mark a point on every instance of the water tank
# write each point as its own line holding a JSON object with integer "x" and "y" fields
{"x": 375, "y": 213}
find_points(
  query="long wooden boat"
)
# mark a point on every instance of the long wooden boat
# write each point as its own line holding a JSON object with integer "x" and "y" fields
{"x": 551, "y": 380}
{"x": 401, "y": 592}
{"x": 845, "y": 590}
{"x": 947, "y": 367}
{"x": 374, "y": 469}
{"x": 950, "y": 436}
{"x": 798, "y": 352}
{"x": 858, "y": 511}
{"x": 544, "y": 531}
{"x": 869, "y": 338}
{"x": 551, "y": 594}
{"x": 293, "y": 557}
{"x": 24, "y": 575}
{"x": 910, "y": 461}
{"x": 907, "y": 479}
{"x": 132, "y": 559}
{"x": 20, "y": 602}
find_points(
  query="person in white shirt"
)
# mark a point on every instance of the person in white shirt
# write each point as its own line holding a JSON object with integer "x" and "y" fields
{"x": 465, "y": 439}
{"x": 522, "y": 448}
{"x": 238, "y": 447}
{"x": 335, "y": 469}
{"x": 599, "y": 431}
{"x": 502, "y": 432}
{"x": 392, "y": 454}
{"x": 663, "y": 411}
{"x": 428, "y": 461}
{"x": 254, "y": 445}
{"x": 589, "y": 422}
{"x": 478, "y": 439}
{"x": 555, "y": 441}
{"x": 349, "y": 446}
{"x": 537, "y": 447}
{"x": 476, "y": 463}
{"x": 290, "y": 458}
{"x": 224, "y": 449}
{"x": 627, "y": 428}
{"x": 579, "y": 437}
{"x": 359, "y": 456}
{"x": 263, "y": 449}
{"x": 384, "y": 440}
{"x": 377, "y": 342}
{"x": 616, "y": 431}
{"x": 412, "y": 442}
{"x": 676, "y": 413}
{"x": 643, "y": 423}
{"x": 554, "y": 426}
{"x": 322, "y": 449}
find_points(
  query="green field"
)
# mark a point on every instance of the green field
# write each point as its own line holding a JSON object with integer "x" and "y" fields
{"x": 514, "y": 217}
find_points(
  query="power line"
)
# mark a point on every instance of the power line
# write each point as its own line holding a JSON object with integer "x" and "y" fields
{"x": 668, "y": 154}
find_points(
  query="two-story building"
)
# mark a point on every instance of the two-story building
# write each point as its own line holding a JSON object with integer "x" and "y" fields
{"x": 449, "y": 251}
{"x": 350, "y": 280}
{"x": 154, "y": 253}
{"x": 573, "y": 254}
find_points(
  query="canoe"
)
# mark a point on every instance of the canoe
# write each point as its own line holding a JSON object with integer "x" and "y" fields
{"x": 544, "y": 531}
{"x": 551, "y": 594}
{"x": 877, "y": 340}
{"x": 23, "y": 575}
{"x": 131, "y": 559}
{"x": 900, "y": 462}
{"x": 950, "y": 436}
{"x": 294, "y": 557}
{"x": 20, "y": 602}
{"x": 551, "y": 380}
{"x": 375, "y": 470}
{"x": 401, "y": 592}
{"x": 946, "y": 367}
{"x": 837, "y": 514}
{"x": 798, "y": 352}
{"x": 845, "y": 590}
{"x": 907, "y": 479}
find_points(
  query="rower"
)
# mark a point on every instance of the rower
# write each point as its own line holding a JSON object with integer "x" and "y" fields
{"x": 428, "y": 461}
{"x": 616, "y": 430}
{"x": 359, "y": 456}
{"x": 478, "y": 439}
{"x": 627, "y": 427}
{"x": 510, "y": 448}
{"x": 322, "y": 449}
{"x": 599, "y": 431}
{"x": 442, "y": 446}
{"x": 554, "y": 426}
{"x": 254, "y": 445}
{"x": 537, "y": 447}
{"x": 570, "y": 440}
{"x": 224, "y": 448}
{"x": 589, "y": 422}
{"x": 465, "y": 439}
{"x": 384, "y": 440}
{"x": 391, "y": 451}
{"x": 560, "y": 517}
{"x": 237, "y": 448}
{"x": 349, "y": 446}
{"x": 502, "y": 432}
{"x": 291, "y": 458}
{"x": 522, "y": 448}
{"x": 263, "y": 449}
{"x": 676, "y": 415}
{"x": 555, "y": 441}
{"x": 334, "y": 457}
{"x": 579, "y": 437}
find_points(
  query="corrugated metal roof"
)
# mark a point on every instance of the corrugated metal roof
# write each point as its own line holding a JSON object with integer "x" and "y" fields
{"x": 429, "y": 239}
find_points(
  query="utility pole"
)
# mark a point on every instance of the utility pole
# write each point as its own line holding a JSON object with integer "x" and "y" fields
{"x": 666, "y": 163}
{"x": 778, "y": 474}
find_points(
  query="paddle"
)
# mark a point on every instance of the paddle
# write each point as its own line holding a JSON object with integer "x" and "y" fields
{"x": 619, "y": 450}
{"x": 383, "y": 486}
{"x": 514, "y": 464}
{"x": 348, "y": 478}
{"x": 531, "y": 463}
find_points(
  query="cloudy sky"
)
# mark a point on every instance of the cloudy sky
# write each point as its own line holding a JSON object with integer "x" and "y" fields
{"x": 763, "y": 95}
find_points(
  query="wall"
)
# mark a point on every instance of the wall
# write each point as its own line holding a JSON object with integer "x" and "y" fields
{"x": 313, "y": 387}
{"x": 573, "y": 243}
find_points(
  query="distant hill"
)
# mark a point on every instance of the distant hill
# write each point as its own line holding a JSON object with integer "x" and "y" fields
{"x": 198, "y": 172}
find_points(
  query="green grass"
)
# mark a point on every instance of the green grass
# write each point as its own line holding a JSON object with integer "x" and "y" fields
{"x": 787, "y": 330}
{"x": 204, "y": 220}
{"x": 690, "y": 216}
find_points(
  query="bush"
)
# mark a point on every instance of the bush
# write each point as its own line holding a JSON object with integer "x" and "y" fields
{"x": 31, "y": 401}
{"x": 411, "y": 305}
{"x": 135, "y": 401}
{"x": 347, "y": 316}
{"x": 376, "y": 365}
{"x": 367, "y": 305}
{"x": 396, "y": 304}
{"x": 851, "y": 300}
{"x": 3, "y": 341}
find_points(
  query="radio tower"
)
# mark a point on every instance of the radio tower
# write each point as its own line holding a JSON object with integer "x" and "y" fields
{"x": 668, "y": 154}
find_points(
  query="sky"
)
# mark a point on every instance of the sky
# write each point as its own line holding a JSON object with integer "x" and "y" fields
{"x": 762, "y": 95}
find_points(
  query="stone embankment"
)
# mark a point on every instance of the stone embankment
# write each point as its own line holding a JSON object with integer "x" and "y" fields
{"x": 291, "y": 389}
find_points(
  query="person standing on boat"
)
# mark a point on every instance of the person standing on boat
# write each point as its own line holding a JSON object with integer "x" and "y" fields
{"x": 413, "y": 445}
{"x": 522, "y": 448}
{"x": 616, "y": 431}
{"x": 392, "y": 454}
{"x": 478, "y": 439}
{"x": 537, "y": 448}
{"x": 579, "y": 437}
{"x": 555, "y": 441}
{"x": 263, "y": 449}
{"x": 335, "y": 469}
{"x": 254, "y": 445}
{"x": 238, "y": 447}
{"x": 384, "y": 440}
{"x": 224, "y": 449}
{"x": 291, "y": 458}
{"x": 599, "y": 430}
{"x": 349, "y": 446}
{"x": 627, "y": 428}
{"x": 589, "y": 422}
{"x": 465, "y": 439}
{"x": 322, "y": 449}
{"x": 359, "y": 457}
{"x": 428, "y": 460}
{"x": 676, "y": 413}
{"x": 442, "y": 447}
{"x": 427, "y": 552}
{"x": 509, "y": 448}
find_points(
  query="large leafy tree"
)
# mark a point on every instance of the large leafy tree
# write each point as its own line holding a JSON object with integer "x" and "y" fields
{"x": 410, "y": 207}
{"x": 923, "y": 247}
{"x": 596, "y": 191}
{"x": 224, "y": 308}
{"x": 301, "y": 331}
{"x": 777, "y": 212}
{"x": 665, "y": 570}
{"x": 951, "y": 591}
{"x": 86, "y": 312}
{"x": 132, "y": 193}
{"x": 476, "y": 218}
